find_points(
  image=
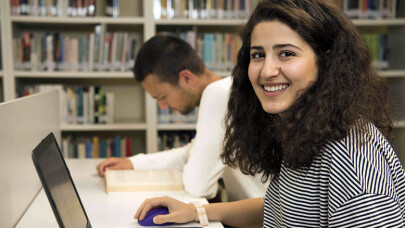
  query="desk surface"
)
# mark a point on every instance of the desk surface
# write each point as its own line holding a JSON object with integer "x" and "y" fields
{"x": 103, "y": 210}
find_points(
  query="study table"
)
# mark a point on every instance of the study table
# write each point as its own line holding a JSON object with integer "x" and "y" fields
{"x": 104, "y": 210}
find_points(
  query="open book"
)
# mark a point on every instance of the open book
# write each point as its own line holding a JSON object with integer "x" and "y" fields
{"x": 143, "y": 180}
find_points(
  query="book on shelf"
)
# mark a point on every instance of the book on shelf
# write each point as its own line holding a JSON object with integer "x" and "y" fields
{"x": 59, "y": 51}
{"x": 201, "y": 9}
{"x": 143, "y": 180}
{"x": 96, "y": 147}
{"x": 112, "y": 9}
{"x": 379, "y": 47}
{"x": 53, "y": 8}
{"x": 368, "y": 9}
{"x": 174, "y": 139}
{"x": 167, "y": 116}
{"x": 80, "y": 104}
{"x": 218, "y": 50}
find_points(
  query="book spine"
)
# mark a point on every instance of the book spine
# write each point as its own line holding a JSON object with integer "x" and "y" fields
{"x": 110, "y": 107}
{"x": 96, "y": 152}
{"x": 81, "y": 150}
{"x": 128, "y": 147}
{"x": 90, "y": 117}
{"x": 123, "y": 148}
{"x": 117, "y": 146}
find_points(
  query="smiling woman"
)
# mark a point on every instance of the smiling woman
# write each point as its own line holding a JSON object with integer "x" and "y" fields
{"x": 282, "y": 65}
{"x": 307, "y": 111}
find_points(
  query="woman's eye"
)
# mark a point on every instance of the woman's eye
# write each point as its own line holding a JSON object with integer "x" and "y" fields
{"x": 257, "y": 55}
{"x": 287, "y": 54}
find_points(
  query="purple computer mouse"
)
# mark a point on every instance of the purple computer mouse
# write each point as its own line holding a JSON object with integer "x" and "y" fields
{"x": 148, "y": 220}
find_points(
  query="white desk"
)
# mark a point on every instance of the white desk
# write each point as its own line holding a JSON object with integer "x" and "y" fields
{"x": 103, "y": 210}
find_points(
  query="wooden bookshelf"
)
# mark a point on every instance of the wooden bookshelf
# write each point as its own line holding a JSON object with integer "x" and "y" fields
{"x": 393, "y": 74}
{"x": 382, "y": 22}
{"x": 78, "y": 20}
{"x": 12, "y": 79}
{"x": 176, "y": 127}
{"x": 104, "y": 127}
{"x": 73, "y": 74}
{"x": 201, "y": 22}
{"x": 399, "y": 124}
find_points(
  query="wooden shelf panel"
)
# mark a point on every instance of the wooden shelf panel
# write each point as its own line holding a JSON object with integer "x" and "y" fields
{"x": 238, "y": 22}
{"x": 399, "y": 124}
{"x": 393, "y": 74}
{"x": 382, "y": 22}
{"x": 79, "y": 20}
{"x": 176, "y": 127}
{"x": 201, "y": 22}
{"x": 80, "y": 75}
{"x": 105, "y": 127}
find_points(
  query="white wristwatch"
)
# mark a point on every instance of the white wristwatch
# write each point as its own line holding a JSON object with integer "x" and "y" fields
{"x": 202, "y": 214}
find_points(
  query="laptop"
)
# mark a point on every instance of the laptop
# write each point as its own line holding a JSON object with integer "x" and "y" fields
{"x": 58, "y": 184}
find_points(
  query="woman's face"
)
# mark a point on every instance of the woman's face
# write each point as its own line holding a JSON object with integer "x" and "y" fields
{"x": 282, "y": 65}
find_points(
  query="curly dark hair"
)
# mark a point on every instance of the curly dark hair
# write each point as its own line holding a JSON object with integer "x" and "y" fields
{"x": 348, "y": 89}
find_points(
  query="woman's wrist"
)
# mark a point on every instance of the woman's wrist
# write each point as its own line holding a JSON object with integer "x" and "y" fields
{"x": 200, "y": 213}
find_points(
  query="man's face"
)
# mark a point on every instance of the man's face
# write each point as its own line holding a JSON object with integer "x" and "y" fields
{"x": 169, "y": 96}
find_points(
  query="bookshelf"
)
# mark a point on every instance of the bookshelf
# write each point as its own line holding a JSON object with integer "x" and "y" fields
{"x": 176, "y": 127}
{"x": 1, "y": 63}
{"x": 136, "y": 113}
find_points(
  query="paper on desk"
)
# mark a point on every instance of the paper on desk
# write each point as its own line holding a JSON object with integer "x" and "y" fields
{"x": 143, "y": 180}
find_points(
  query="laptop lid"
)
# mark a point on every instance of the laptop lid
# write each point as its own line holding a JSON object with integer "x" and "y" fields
{"x": 58, "y": 184}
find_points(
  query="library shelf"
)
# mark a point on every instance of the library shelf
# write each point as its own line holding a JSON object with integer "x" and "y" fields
{"x": 74, "y": 74}
{"x": 399, "y": 124}
{"x": 176, "y": 127}
{"x": 380, "y": 22}
{"x": 201, "y": 22}
{"x": 78, "y": 20}
{"x": 393, "y": 74}
{"x": 104, "y": 127}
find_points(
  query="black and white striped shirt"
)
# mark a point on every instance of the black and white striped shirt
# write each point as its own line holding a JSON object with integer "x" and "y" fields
{"x": 348, "y": 185}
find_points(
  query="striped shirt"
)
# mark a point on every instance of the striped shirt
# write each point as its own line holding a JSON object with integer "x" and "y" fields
{"x": 348, "y": 185}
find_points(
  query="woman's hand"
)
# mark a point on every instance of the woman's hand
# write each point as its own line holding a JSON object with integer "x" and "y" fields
{"x": 179, "y": 212}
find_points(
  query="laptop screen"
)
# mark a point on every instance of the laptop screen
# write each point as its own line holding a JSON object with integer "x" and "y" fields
{"x": 58, "y": 185}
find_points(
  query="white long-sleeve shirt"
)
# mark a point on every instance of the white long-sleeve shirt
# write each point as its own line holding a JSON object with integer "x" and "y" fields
{"x": 199, "y": 160}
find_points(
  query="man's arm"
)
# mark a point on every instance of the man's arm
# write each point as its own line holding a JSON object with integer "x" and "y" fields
{"x": 204, "y": 166}
{"x": 172, "y": 159}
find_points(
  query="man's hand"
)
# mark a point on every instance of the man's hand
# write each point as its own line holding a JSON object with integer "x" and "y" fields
{"x": 113, "y": 163}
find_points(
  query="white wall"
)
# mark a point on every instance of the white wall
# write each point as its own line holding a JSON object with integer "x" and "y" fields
{"x": 24, "y": 123}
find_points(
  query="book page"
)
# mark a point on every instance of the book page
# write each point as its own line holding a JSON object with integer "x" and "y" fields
{"x": 143, "y": 180}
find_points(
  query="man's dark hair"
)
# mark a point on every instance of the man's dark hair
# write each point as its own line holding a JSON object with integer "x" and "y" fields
{"x": 165, "y": 56}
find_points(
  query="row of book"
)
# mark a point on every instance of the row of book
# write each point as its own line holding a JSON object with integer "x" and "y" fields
{"x": 58, "y": 51}
{"x": 170, "y": 140}
{"x": 379, "y": 47}
{"x": 369, "y": 9}
{"x": 80, "y": 104}
{"x": 201, "y": 9}
{"x": 54, "y": 8}
{"x": 96, "y": 148}
{"x": 168, "y": 115}
{"x": 217, "y": 50}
